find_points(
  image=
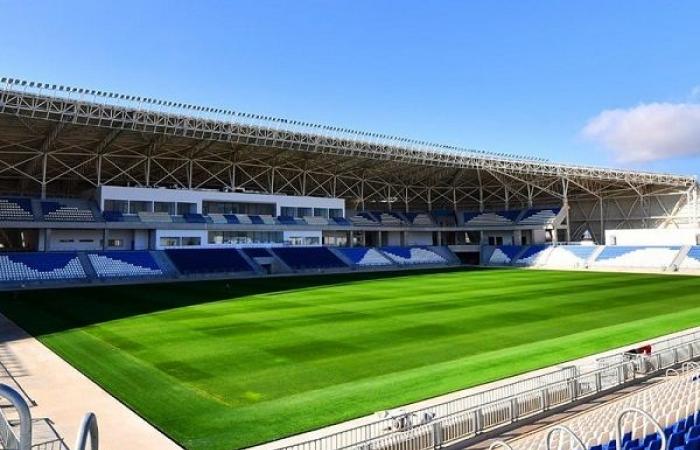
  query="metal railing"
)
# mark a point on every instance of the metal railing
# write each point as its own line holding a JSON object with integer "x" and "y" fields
{"x": 88, "y": 429}
{"x": 8, "y": 437}
{"x": 446, "y": 423}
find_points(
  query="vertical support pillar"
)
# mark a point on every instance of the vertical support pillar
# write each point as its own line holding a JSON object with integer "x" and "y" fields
{"x": 47, "y": 239}
{"x": 105, "y": 238}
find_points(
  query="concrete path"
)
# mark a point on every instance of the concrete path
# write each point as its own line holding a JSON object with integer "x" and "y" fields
{"x": 63, "y": 395}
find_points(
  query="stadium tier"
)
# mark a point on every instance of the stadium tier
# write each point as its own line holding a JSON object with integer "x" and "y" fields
{"x": 204, "y": 261}
{"x": 15, "y": 209}
{"x": 413, "y": 255}
{"x": 62, "y": 266}
{"x": 365, "y": 257}
{"x": 124, "y": 264}
{"x": 636, "y": 257}
{"x": 306, "y": 258}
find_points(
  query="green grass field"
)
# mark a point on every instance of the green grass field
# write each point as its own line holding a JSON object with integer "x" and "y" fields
{"x": 221, "y": 366}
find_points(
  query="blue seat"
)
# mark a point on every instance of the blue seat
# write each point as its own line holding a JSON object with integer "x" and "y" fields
{"x": 194, "y": 218}
{"x": 676, "y": 439}
{"x": 305, "y": 258}
{"x": 215, "y": 260}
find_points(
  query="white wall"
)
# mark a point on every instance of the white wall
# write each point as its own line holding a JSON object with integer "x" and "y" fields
{"x": 75, "y": 236}
{"x": 198, "y": 196}
{"x": 666, "y": 236}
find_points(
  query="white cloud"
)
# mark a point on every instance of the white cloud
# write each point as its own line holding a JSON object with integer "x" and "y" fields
{"x": 695, "y": 93}
{"x": 648, "y": 132}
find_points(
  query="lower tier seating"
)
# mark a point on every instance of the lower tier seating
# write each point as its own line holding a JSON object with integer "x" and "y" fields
{"x": 40, "y": 266}
{"x": 214, "y": 260}
{"x": 692, "y": 259}
{"x": 572, "y": 256}
{"x": 413, "y": 255}
{"x": 535, "y": 255}
{"x": 672, "y": 403}
{"x": 504, "y": 255}
{"x": 305, "y": 258}
{"x": 636, "y": 257}
{"x": 124, "y": 264}
{"x": 365, "y": 256}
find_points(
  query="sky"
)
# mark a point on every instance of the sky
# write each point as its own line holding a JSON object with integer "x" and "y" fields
{"x": 590, "y": 82}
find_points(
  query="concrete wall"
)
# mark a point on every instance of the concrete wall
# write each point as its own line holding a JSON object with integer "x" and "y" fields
{"x": 75, "y": 240}
{"x": 666, "y": 236}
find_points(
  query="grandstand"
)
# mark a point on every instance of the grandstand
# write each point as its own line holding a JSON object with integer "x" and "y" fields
{"x": 163, "y": 192}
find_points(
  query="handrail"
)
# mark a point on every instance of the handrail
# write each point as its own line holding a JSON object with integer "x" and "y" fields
{"x": 672, "y": 372}
{"x": 25, "y": 416}
{"x": 496, "y": 444}
{"x": 510, "y": 408}
{"x": 88, "y": 428}
{"x": 633, "y": 410}
{"x": 567, "y": 430}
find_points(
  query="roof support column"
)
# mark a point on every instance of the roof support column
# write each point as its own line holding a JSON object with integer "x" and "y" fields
{"x": 565, "y": 196}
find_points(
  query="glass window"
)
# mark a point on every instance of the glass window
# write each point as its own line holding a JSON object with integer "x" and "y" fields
{"x": 139, "y": 206}
{"x": 288, "y": 211}
{"x": 117, "y": 205}
{"x": 166, "y": 241}
{"x": 304, "y": 212}
{"x": 186, "y": 208}
{"x": 191, "y": 240}
{"x": 164, "y": 207}
{"x": 321, "y": 212}
{"x": 335, "y": 212}
{"x": 115, "y": 242}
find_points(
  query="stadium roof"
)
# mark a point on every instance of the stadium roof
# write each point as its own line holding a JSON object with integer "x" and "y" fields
{"x": 97, "y": 137}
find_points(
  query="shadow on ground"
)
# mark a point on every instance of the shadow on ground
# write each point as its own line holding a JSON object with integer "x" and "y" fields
{"x": 42, "y": 312}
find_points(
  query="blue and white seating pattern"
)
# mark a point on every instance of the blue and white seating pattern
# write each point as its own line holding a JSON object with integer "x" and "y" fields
{"x": 306, "y": 258}
{"x": 636, "y": 257}
{"x": 13, "y": 209}
{"x": 692, "y": 259}
{"x": 59, "y": 212}
{"x": 413, "y": 255}
{"x": 124, "y": 264}
{"x": 673, "y": 403}
{"x": 155, "y": 217}
{"x": 571, "y": 256}
{"x": 535, "y": 255}
{"x": 504, "y": 255}
{"x": 364, "y": 219}
{"x": 539, "y": 216}
{"x": 315, "y": 220}
{"x": 365, "y": 257}
{"x": 213, "y": 260}
{"x": 491, "y": 219}
{"x": 40, "y": 266}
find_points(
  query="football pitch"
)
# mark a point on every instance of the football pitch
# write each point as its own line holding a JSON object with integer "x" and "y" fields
{"x": 222, "y": 365}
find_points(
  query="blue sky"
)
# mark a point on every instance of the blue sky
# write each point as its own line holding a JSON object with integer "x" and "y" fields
{"x": 519, "y": 76}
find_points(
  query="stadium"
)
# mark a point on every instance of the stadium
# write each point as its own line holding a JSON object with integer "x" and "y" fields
{"x": 237, "y": 280}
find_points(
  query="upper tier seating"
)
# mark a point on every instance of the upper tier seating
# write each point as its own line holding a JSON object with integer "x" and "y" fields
{"x": 365, "y": 256}
{"x": 194, "y": 218}
{"x": 364, "y": 219}
{"x": 504, "y": 255}
{"x": 535, "y": 255}
{"x": 40, "y": 266}
{"x": 15, "y": 209}
{"x": 539, "y": 216}
{"x": 420, "y": 219}
{"x": 305, "y": 258}
{"x": 692, "y": 260}
{"x": 672, "y": 403}
{"x": 124, "y": 264}
{"x": 341, "y": 221}
{"x": 213, "y": 260}
{"x": 390, "y": 219}
{"x": 491, "y": 219}
{"x": 60, "y": 212}
{"x": 288, "y": 220}
{"x": 636, "y": 257}
{"x": 570, "y": 255}
{"x": 413, "y": 255}
{"x": 217, "y": 218}
{"x": 315, "y": 220}
{"x": 241, "y": 218}
{"x": 155, "y": 217}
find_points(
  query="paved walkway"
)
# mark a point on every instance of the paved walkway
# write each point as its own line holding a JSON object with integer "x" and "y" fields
{"x": 63, "y": 395}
